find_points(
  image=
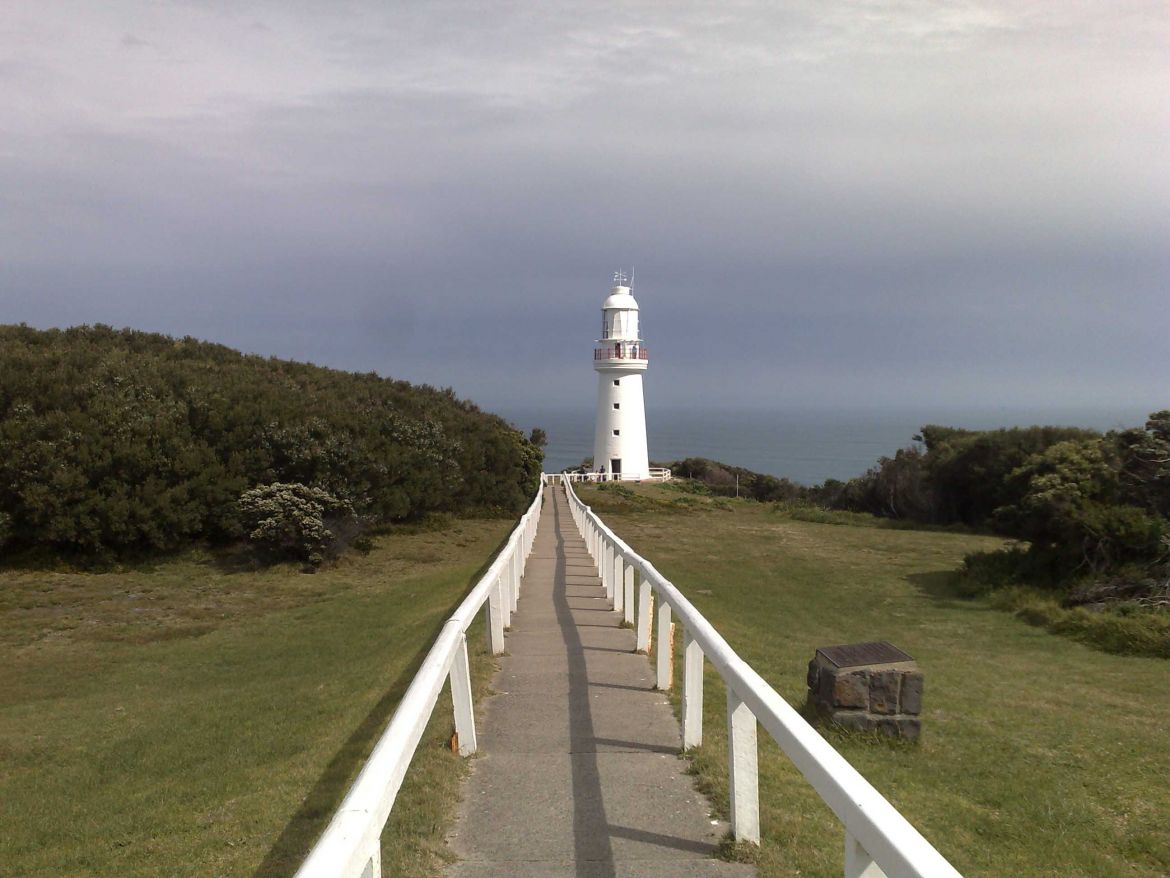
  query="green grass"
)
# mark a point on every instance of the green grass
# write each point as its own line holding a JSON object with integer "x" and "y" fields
{"x": 1039, "y": 756}
{"x": 189, "y": 720}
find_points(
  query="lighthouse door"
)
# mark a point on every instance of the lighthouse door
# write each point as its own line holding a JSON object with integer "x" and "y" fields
{"x": 615, "y": 467}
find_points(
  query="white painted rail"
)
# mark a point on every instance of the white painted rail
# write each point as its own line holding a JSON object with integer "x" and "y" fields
{"x": 656, "y": 474}
{"x": 350, "y": 846}
{"x": 879, "y": 841}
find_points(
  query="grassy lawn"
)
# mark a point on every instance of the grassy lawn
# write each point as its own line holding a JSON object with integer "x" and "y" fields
{"x": 191, "y": 720}
{"x": 1039, "y": 756}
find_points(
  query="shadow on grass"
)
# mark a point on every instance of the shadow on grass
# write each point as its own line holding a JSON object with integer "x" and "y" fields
{"x": 45, "y": 559}
{"x": 235, "y": 558}
{"x": 301, "y": 832}
{"x": 306, "y": 825}
{"x": 944, "y": 588}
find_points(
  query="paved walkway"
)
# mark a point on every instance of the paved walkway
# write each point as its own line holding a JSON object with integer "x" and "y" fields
{"x": 577, "y": 772}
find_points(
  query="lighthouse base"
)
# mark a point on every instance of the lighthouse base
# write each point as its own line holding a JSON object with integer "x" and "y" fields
{"x": 619, "y": 440}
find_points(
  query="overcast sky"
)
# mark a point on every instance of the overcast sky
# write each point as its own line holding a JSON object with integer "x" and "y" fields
{"x": 841, "y": 204}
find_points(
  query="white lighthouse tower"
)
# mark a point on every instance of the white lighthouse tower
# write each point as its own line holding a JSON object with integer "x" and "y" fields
{"x": 619, "y": 442}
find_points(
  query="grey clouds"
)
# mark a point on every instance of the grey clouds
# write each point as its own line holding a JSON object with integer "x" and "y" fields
{"x": 860, "y": 203}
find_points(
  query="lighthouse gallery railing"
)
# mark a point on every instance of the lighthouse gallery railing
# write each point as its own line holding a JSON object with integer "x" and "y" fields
{"x": 879, "y": 841}
{"x": 351, "y": 843}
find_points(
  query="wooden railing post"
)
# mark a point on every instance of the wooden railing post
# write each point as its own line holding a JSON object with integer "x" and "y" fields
{"x": 742, "y": 770}
{"x": 663, "y": 660}
{"x": 628, "y": 592}
{"x": 497, "y": 618}
{"x": 461, "y": 699}
{"x": 644, "y": 614}
{"x": 606, "y": 567}
{"x": 513, "y": 584}
{"x": 617, "y": 577}
{"x": 692, "y": 695}
{"x": 516, "y": 572}
{"x": 858, "y": 862}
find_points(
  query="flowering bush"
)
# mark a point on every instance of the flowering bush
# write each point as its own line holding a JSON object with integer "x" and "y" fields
{"x": 291, "y": 520}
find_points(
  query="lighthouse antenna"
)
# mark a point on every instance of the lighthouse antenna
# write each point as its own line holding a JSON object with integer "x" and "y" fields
{"x": 631, "y": 277}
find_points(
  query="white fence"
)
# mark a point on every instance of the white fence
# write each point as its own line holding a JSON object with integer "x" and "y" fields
{"x": 351, "y": 843}
{"x": 656, "y": 474}
{"x": 878, "y": 840}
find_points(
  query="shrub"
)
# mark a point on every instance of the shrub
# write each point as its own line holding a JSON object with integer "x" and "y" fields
{"x": 117, "y": 443}
{"x": 728, "y": 481}
{"x": 1117, "y": 629}
{"x": 295, "y": 521}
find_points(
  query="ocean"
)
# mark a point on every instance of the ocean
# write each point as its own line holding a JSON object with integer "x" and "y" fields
{"x": 804, "y": 445}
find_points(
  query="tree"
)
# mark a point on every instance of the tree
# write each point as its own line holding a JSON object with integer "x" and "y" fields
{"x": 1070, "y": 509}
{"x": 1145, "y": 464}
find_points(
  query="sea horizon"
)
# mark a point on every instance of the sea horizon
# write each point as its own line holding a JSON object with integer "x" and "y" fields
{"x": 805, "y": 444}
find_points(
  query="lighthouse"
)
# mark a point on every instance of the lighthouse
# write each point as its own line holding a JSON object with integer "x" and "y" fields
{"x": 619, "y": 440}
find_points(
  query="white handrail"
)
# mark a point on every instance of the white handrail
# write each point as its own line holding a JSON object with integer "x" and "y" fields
{"x": 351, "y": 843}
{"x": 878, "y": 839}
{"x": 654, "y": 474}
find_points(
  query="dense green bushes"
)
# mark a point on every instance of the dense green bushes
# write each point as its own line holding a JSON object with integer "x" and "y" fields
{"x": 115, "y": 441}
{"x": 953, "y": 477}
{"x": 1087, "y": 506}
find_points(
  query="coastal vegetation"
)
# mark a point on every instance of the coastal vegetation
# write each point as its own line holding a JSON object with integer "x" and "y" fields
{"x": 1038, "y": 756}
{"x": 117, "y": 444}
{"x": 1088, "y": 516}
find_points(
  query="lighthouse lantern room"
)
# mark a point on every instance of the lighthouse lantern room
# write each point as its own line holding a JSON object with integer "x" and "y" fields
{"x": 619, "y": 440}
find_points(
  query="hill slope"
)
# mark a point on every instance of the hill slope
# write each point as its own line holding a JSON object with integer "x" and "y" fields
{"x": 117, "y": 440}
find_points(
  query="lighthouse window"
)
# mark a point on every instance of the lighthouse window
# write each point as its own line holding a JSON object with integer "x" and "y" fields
{"x": 617, "y": 432}
{"x": 616, "y": 383}
{"x": 616, "y": 406}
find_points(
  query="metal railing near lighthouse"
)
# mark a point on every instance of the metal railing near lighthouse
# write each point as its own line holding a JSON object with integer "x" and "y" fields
{"x": 879, "y": 841}
{"x": 350, "y": 846}
{"x": 622, "y": 351}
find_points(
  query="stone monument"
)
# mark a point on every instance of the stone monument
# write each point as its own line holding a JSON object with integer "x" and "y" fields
{"x": 867, "y": 686}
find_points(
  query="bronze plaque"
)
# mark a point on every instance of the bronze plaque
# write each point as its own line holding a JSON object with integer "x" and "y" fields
{"x": 850, "y": 655}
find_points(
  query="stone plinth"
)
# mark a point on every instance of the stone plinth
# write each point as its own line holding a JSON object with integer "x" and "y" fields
{"x": 867, "y": 686}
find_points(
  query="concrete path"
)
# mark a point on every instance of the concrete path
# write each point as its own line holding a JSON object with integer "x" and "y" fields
{"x": 577, "y": 772}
